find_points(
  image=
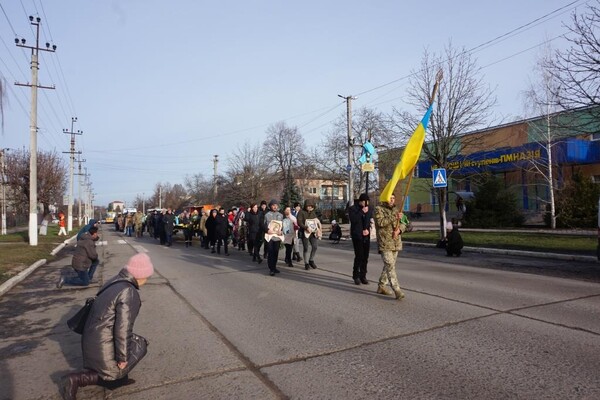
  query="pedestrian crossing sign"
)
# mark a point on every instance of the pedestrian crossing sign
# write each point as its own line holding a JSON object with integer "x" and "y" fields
{"x": 439, "y": 178}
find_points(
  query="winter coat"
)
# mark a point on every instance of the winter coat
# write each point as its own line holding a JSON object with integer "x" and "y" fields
{"x": 108, "y": 334}
{"x": 359, "y": 221}
{"x": 454, "y": 241}
{"x": 211, "y": 227}
{"x": 303, "y": 215}
{"x": 386, "y": 222}
{"x": 169, "y": 223}
{"x": 85, "y": 253}
{"x": 203, "y": 225}
{"x": 221, "y": 226}
{"x": 253, "y": 221}
{"x": 86, "y": 228}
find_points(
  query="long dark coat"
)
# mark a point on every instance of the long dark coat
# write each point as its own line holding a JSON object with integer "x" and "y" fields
{"x": 211, "y": 228}
{"x": 169, "y": 222}
{"x": 221, "y": 226}
{"x": 108, "y": 335}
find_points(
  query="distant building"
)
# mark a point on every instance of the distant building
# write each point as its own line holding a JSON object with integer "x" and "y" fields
{"x": 510, "y": 151}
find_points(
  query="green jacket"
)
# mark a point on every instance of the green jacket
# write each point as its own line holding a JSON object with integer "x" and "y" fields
{"x": 386, "y": 222}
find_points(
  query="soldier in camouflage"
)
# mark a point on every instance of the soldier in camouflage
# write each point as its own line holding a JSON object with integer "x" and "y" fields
{"x": 390, "y": 224}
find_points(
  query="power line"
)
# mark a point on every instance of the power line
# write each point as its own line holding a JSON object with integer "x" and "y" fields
{"x": 6, "y": 15}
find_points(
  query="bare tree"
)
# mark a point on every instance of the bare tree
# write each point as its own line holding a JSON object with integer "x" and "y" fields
{"x": 577, "y": 69}
{"x": 541, "y": 97}
{"x": 199, "y": 188}
{"x": 170, "y": 196}
{"x": 464, "y": 103}
{"x": 51, "y": 176}
{"x": 249, "y": 175}
{"x": 285, "y": 146}
{"x": 367, "y": 125}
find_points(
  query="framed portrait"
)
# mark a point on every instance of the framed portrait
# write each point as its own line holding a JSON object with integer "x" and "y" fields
{"x": 277, "y": 228}
{"x": 314, "y": 225}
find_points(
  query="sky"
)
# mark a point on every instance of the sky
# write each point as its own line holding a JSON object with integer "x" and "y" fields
{"x": 160, "y": 87}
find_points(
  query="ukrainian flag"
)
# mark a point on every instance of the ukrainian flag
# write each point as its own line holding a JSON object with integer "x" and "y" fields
{"x": 409, "y": 157}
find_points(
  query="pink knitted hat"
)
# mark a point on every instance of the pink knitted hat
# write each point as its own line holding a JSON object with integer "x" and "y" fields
{"x": 140, "y": 266}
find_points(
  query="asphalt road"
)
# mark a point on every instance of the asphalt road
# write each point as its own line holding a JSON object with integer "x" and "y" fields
{"x": 479, "y": 326}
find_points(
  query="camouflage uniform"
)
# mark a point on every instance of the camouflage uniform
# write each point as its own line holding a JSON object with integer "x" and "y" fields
{"x": 386, "y": 222}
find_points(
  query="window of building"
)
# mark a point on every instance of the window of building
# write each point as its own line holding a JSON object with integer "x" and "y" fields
{"x": 595, "y": 136}
{"x": 596, "y": 178}
{"x": 312, "y": 190}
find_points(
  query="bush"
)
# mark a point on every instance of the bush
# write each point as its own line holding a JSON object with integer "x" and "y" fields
{"x": 576, "y": 204}
{"x": 493, "y": 207}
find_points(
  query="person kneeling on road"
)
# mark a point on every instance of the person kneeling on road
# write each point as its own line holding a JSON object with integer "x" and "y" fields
{"x": 110, "y": 348}
{"x": 85, "y": 260}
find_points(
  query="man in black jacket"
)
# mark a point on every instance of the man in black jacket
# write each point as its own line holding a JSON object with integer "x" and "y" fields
{"x": 221, "y": 230}
{"x": 360, "y": 231}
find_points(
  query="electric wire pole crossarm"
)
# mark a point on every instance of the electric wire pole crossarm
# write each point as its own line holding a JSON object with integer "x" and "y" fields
{"x": 33, "y": 197}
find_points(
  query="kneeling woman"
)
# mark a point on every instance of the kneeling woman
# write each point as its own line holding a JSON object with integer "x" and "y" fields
{"x": 110, "y": 348}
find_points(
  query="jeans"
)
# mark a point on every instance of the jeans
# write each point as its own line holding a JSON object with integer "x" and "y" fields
{"x": 312, "y": 239}
{"x": 272, "y": 253}
{"x": 83, "y": 278}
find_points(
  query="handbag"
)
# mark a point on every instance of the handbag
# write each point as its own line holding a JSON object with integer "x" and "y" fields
{"x": 77, "y": 322}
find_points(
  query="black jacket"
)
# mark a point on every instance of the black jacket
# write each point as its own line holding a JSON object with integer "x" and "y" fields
{"x": 253, "y": 221}
{"x": 359, "y": 221}
{"x": 221, "y": 226}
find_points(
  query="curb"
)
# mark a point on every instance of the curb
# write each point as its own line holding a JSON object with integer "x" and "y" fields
{"x": 522, "y": 253}
{"x": 12, "y": 282}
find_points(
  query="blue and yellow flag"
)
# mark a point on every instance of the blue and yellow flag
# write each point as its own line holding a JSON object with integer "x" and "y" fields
{"x": 409, "y": 157}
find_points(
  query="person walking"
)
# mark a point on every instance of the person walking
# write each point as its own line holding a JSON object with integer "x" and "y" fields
{"x": 84, "y": 262}
{"x": 169, "y": 224}
{"x": 222, "y": 231}
{"x": 203, "y": 232}
{"x": 129, "y": 224}
{"x": 61, "y": 224}
{"x": 290, "y": 237}
{"x": 109, "y": 346}
{"x": 138, "y": 221}
{"x": 252, "y": 219}
{"x": 360, "y": 232}
{"x": 309, "y": 233}
{"x": 186, "y": 220}
{"x": 273, "y": 235}
{"x": 390, "y": 223}
{"x": 211, "y": 228}
{"x": 262, "y": 210}
{"x": 295, "y": 211}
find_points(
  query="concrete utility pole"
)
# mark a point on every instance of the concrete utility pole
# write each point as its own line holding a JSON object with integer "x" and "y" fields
{"x": 216, "y": 184}
{"x": 3, "y": 181}
{"x": 79, "y": 174}
{"x": 160, "y": 197}
{"x": 72, "y": 152}
{"x": 350, "y": 166}
{"x": 33, "y": 197}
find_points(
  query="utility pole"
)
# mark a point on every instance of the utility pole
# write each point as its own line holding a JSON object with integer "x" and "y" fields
{"x": 79, "y": 174}
{"x": 160, "y": 197}
{"x": 215, "y": 182}
{"x": 350, "y": 166}
{"x": 3, "y": 178}
{"x": 33, "y": 197}
{"x": 72, "y": 152}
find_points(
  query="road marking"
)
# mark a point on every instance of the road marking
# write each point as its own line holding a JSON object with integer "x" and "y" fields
{"x": 102, "y": 243}
{"x": 140, "y": 249}
{"x": 121, "y": 241}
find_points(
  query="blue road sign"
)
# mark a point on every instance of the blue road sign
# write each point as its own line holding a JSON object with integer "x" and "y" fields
{"x": 439, "y": 178}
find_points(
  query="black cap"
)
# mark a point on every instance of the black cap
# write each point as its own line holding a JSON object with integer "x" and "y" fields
{"x": 363, "y": 197}
{"x": 273, "y": 201}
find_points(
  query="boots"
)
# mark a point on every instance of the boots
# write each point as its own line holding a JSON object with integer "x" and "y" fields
{"x": 399, "y": 294}
{"x": 71, "y": 382}
{"x": 384, "y": 290}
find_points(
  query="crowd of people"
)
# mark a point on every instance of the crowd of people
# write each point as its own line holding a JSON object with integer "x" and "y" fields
{"x": 110, "y": 352}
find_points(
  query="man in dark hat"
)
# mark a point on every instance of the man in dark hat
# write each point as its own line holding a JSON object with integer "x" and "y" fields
{"x": 360, "y": 230}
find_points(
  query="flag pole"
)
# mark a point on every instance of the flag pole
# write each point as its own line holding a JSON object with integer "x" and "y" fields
{"x": 438, "y": 78}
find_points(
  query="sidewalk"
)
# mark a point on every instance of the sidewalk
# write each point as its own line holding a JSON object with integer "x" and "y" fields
{"x": 184, "y": 358}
